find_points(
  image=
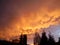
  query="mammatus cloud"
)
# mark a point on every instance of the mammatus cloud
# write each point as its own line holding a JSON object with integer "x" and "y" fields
{"x": 18, "y": 16}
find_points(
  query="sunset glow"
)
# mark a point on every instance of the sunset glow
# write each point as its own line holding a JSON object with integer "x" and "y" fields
{"x": 26, "y": 17}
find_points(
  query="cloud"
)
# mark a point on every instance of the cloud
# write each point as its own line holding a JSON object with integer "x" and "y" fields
{"x": 18, "y": 15}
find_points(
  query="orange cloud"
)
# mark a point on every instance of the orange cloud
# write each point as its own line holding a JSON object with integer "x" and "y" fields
{"x": 29, "y": 16}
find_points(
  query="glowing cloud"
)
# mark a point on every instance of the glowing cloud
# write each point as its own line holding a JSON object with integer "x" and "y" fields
{"x": 28, "y": 16}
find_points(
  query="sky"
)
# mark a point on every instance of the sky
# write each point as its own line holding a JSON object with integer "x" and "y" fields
{"x": 28, "y": 16}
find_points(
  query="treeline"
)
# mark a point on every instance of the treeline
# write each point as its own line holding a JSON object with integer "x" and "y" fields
{"x": 44, "y": 40}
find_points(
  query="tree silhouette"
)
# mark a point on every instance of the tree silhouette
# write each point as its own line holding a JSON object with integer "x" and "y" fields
{"x": 58, "y": 43}
{"x": 51, "y": 40}
{"x": 36, "y": 39}
{"x": 44, "y": 39}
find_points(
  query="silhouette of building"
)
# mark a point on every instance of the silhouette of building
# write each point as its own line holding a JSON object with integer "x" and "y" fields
{"x": 36, "y": 39}
{"x": 23, "y": 40}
